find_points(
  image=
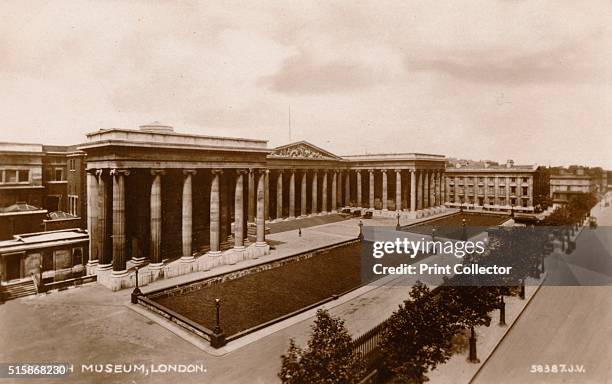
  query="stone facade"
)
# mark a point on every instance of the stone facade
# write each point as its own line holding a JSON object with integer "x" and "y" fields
{"x": 172, "y": 203}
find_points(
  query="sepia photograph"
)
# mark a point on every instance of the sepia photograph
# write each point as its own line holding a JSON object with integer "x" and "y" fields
{"x": 306, "y": 192}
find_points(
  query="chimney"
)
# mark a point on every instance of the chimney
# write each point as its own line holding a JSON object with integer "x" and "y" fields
{"x": 509, "y": 163}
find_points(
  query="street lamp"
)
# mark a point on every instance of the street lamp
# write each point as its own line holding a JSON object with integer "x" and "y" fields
{"x": 136, "y": 292}
{"x": 217, "y": 339}
{"x": 397, "y": 226}
{"x": 360, "y": 229}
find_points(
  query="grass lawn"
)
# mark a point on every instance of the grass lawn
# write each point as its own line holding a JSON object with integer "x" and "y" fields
{"x": 263, "y": 296}
{"x": 450, "y": 226}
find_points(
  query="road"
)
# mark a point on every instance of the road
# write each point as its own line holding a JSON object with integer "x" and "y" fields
{"x": 570, "y": 325}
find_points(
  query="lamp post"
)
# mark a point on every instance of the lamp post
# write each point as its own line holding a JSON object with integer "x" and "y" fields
{"x": 522, "y": 293}
{"x": 217, "y": 339}
{"x": 397, "y": 226}
{"x": 360, "y": 230}
{"x": 463, "y": 230}
{"x": 502, "y": 311}
{"x": 136, "y": 292}
{"x": 473, "y": 358}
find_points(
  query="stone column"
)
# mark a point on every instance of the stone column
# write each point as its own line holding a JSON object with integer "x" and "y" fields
{"x": 371, "y": 189}
{"x": 251, "y": 197}
{"x": 104, "y": 261}
{"x": 338, "y": 190}
{"x": 292, "y": 195}
{"x": 398, "y": 189}
{"x": 303, "y": 200}
{"x": 432, "y": 189}
{"x": 92, "y": 218}
{"x": 324, "y": 193}
{"x": 359, "y": 202}
{"x": 187, "y": 215}
{"x": 119, "y": 259}
{"x": 426, "y": 192}
{"x": 155, "y": 219}
{"x": 413, "y": 190}
{"x": 239, "y": 211}
{"x": 347, "y": 189}
{"x": 279, "y": 195}
{"x": 443, "y": 188}
{"x": 215, "y": 213}
{"x": 315, "y": 193}
{"x": 260, "y": 219}
{"x": 267, "y": 194}
{"x": 334, "y": 190}
{"x": 420, "y": 191}
{"x": 384, "y": 189}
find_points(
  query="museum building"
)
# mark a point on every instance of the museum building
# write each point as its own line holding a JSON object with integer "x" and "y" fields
{"x": 174, "y": 203}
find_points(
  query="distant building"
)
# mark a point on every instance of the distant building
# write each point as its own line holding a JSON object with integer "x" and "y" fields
{"x": 41, "y": 188}
{"x": 489, "y": 186}
{"x": 576, "y": 181}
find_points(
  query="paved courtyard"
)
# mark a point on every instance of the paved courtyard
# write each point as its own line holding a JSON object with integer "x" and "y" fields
{"x": 91, "y": 325}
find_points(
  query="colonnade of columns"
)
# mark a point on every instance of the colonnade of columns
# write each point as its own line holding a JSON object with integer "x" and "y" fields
{"x": 295, "y": 193}
{"x": 104, "y": 199}
{"x": 322, "y": 191}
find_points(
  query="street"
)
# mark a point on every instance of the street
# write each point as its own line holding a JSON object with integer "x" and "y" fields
{"x": 562, "y": 326}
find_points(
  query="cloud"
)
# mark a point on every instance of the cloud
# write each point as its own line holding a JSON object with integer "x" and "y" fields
{"x": 302, "y": 74}
{"x": 562, "y": 63}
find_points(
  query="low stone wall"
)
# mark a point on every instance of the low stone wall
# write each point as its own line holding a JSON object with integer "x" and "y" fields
{"x": 151, "y": 272}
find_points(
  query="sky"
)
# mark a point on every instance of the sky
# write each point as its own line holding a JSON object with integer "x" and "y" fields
{"x": 483, "y": 79}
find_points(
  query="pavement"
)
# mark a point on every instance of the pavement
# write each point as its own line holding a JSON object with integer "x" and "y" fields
{"x": 563, "y": 327}
{"x": 92, "y": 325}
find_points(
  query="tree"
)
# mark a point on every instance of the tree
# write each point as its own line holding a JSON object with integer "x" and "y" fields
{"x": 329, "y": 357}
{"x": 417, "y": 337}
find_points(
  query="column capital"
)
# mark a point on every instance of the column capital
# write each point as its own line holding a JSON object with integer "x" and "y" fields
{"x": 93, "y": 171}
{"x": 371, "y": 170}
{"x": 99, "y": 172}
{"x": 398, "y": 170}
{"x": 357, "y": 171}
{"x": 116, "y": 172}
{"x": 189, "y": 172}
{"x": 241, "y": 171}
{"x": 262, "y": 171}
{"x": 160, "y": 172}
{"x": 384, "y": 170}
{"x": 280, "y": 170}
{"x": 216, "y": 172}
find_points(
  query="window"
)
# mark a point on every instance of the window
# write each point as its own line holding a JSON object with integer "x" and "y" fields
{"x": 513, "y": 190}
{"x": 24, "y": 176}
{"x": 71, "y": 164}
{"x": 59, "y": 174}
{"x": 524, "y": 191}
{"x": 73, "y": 205}
{"x": 10, "y": 176}
{"x": 525, "y": 179}
{"x": 513, "y": 179}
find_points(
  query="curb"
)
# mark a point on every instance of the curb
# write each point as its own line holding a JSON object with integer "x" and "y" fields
{"x": 508, "y": 330}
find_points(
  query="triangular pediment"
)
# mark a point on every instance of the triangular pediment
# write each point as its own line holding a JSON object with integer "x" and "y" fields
{"x": 303, "y": 150}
